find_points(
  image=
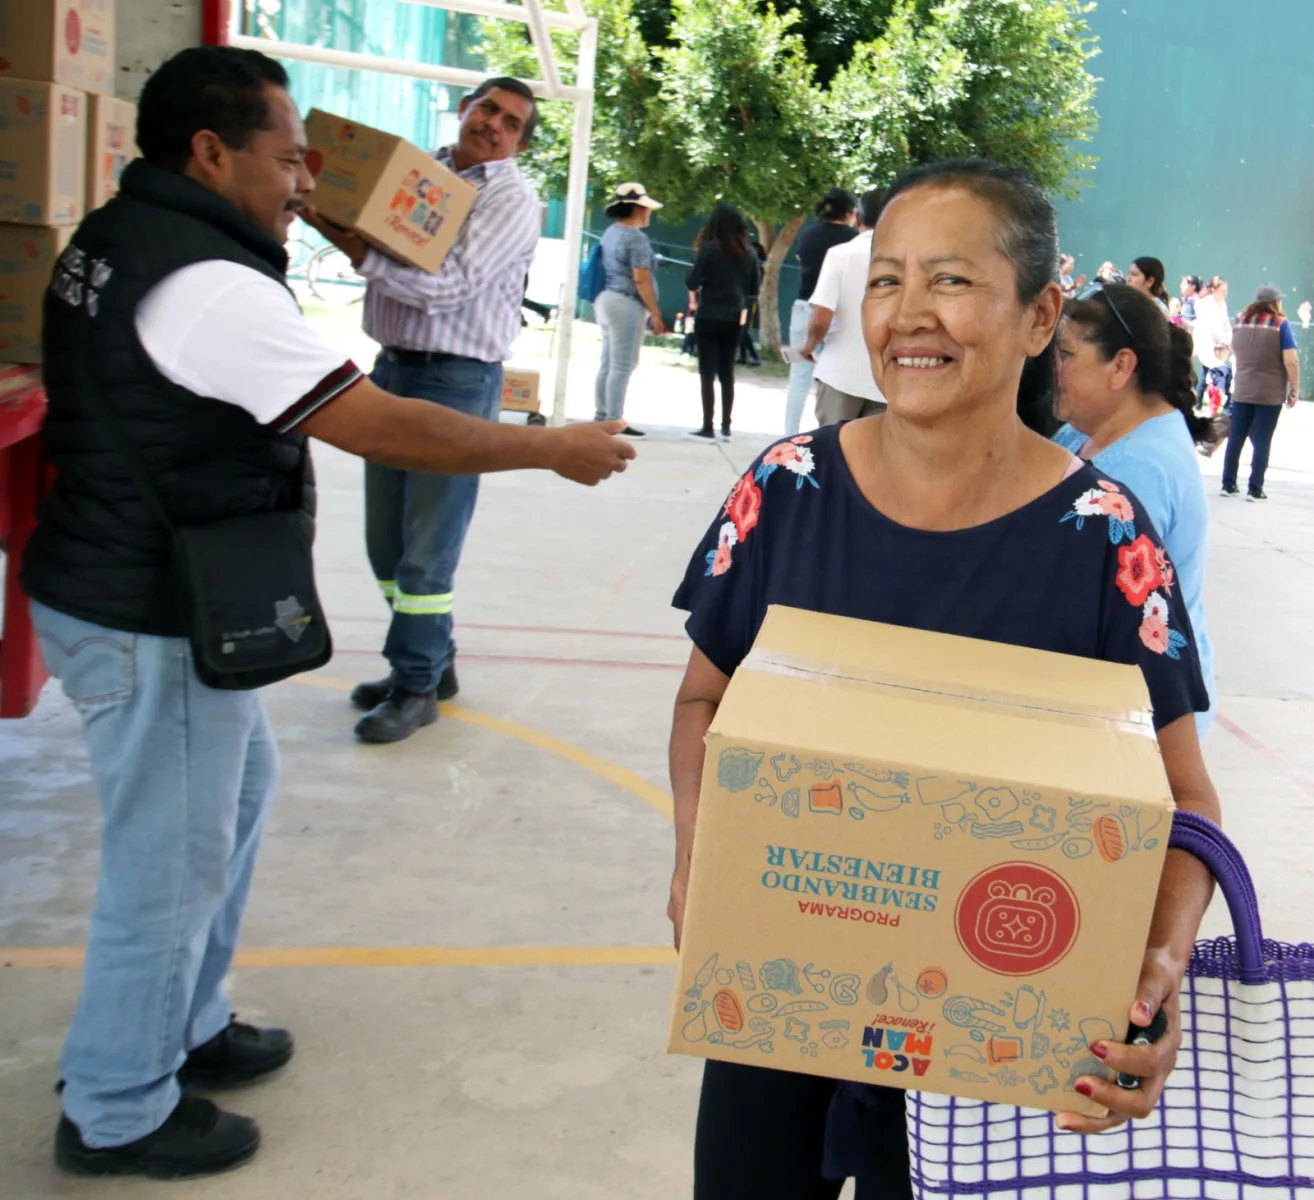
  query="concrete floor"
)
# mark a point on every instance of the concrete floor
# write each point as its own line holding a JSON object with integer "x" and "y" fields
{"x": 466, "y": 932}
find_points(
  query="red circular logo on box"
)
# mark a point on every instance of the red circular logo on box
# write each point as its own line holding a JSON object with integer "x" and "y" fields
{"x": 73, "y": 31}
{"x": 314, "y": 162}
{"x": 1017, "y": 919}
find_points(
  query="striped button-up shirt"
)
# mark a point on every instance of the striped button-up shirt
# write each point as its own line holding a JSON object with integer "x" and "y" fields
{"x": 471, "y": 306}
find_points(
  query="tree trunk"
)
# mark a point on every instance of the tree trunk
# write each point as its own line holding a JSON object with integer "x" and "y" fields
{"x": 776, "y": 243}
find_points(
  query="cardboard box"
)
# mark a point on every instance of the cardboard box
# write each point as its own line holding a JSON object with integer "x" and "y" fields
{"x": 70, "y": 42}
{"x": 921, "y": 861}
{"x": 111, "y": 146}
{"x": 397, "y": 197}
{"x": 43, "y": 153}
{"x": 27, "y": 261}
{"x": 520, "y": 390}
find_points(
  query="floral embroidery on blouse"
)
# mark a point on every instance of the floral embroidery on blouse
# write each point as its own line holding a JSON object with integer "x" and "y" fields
{"x": 1143, "y": 566}
{"x": 1105, "y": 501}
{"x": 744, "y": 504}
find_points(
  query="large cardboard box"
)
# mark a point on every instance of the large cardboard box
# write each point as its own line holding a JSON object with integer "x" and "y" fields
{"x": 397, "y": 197}
{"x": 59, "y": 41}
{"x": 111, "y": 146}
{"x": 27, "y": 261}
{"x": 43, "y": 153}
{"x": 520, "y": 390}
{"x": 921, "y": 861}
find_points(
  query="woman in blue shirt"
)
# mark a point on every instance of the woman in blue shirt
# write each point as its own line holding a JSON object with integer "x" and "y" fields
{"x": 1129, "y": 398}
{"x": 946, "y": 513}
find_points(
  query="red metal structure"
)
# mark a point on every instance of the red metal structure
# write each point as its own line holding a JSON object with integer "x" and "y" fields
{"x": 24, "y": 475}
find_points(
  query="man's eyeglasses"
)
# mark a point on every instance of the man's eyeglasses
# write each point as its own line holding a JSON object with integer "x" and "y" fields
{"x": 1098, "y": 289}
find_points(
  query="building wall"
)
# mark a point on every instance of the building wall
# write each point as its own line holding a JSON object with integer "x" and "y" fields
{"x": 148, "y": 32}
{"x": 1206, "y": 143}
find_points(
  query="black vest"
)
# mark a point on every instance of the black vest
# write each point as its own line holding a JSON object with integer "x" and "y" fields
{"x": 99, "y": 552}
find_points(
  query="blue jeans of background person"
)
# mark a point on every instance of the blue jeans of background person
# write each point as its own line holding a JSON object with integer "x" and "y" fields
{"x": 800, "y": 373}
{"x": 1256, "y": 422}
{"x": 623, "y": 321}
{"x": 415, "y": 522}
{"x": 185, "y": 775}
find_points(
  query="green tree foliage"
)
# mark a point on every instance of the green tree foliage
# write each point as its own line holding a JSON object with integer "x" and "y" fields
{"x": 735, "y": 100}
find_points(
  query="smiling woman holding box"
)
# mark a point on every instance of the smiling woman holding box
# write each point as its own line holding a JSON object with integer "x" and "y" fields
{"x": 946, "y": 514}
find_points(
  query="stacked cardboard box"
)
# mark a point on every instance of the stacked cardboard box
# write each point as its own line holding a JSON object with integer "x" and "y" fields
{"x": 64, "y": 141}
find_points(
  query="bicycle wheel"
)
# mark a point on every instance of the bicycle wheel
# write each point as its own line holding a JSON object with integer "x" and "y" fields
{"x": 333, "y": 280}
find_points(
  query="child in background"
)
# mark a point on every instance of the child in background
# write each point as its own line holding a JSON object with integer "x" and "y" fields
{"x": 1218, "y": 382}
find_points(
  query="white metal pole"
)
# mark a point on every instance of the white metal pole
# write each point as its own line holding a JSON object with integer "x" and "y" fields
{"x": 576, "y": 199}
{"x": 454, "y": 76}
{"x": 509, "y": 12}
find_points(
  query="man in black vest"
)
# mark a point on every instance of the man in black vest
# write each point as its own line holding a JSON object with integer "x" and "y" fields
{"x": 170, "y": 308}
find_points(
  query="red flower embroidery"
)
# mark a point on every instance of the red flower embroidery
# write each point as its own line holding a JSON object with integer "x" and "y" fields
{"x": 1138, "y": 570}
{"x": 780, "y": 454}
{"x": 1108, "y": 485}
{"x": 1154, "y": 633}
{"x": 1113, "y": 504}
{"x": 744, "y": 506}
{"x": 721, "y": 563}
{"x": 803, "y": 440}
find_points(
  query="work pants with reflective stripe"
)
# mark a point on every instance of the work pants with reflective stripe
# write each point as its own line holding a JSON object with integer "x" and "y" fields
{"x": 415, "y": 522}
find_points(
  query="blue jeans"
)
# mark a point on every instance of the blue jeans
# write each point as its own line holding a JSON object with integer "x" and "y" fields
{"x": 186, "y": 775}
{"x": 800, "y": 373}
{"x": 1256, "y": 422}
{"x": 415, "y": 522}
{"x": 623, "y": 321}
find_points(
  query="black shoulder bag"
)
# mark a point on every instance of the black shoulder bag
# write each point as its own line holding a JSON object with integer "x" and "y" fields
{"x": 247, "y": 585}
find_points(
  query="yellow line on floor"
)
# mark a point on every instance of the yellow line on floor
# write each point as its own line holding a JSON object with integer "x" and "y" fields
{"x": 603, "y": 768}
{"x": 70, "y": 957}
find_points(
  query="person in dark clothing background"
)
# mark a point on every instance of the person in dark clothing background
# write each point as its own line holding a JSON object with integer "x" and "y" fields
{"x": 748, "y": 355}
{"x": 726, "y": 275}
{"x": 837, "y": 223}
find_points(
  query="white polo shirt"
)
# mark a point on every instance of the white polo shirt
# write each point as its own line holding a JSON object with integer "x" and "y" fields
{"x": 227, "y": 332}
{"x": 844, "y": 363}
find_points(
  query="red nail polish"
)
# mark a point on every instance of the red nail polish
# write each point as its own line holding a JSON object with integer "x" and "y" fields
{"x": 1099, "y": 1050}
{"x": 1084, "y": 1088}
{"x": 1144, "y": 1009}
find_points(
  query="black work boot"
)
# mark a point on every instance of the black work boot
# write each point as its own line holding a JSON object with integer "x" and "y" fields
{"x": 236, "y": 1055}
{"x": 197, "y": 1139}
{"x": 366, "y": 696}
{"x": 399, "y": 716}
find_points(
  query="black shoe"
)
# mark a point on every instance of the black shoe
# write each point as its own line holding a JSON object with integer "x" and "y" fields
{"x": 724, "y": 435}
{"x": 197, "y": 1139}
{"x": 366, "y": 696}
{"x": 754, "y": 362}
{"x": 702, "y": 435}
{"x": 630, "y": 432}
{"x": 1230, "y": 489}
{"x": 237, "y": 1055}
{"x": 399, "y": 716}
{"x": 1256, "y": 494}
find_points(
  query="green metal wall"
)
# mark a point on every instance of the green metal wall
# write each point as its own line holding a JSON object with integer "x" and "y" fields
{"x": 1206, "y": 143}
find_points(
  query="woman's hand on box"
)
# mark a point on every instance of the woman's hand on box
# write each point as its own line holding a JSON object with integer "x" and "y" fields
{"x": 1161, "y": 978}
{"x": 679, "y": 891}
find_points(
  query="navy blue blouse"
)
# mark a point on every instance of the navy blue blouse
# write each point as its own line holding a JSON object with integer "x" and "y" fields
{"x": 1080, "y": 570}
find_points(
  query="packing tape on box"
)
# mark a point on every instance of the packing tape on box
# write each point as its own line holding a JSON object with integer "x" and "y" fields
{"x": 1138, "y": 721}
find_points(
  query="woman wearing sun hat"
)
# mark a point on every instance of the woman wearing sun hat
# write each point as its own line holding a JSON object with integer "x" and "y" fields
{"x": 1267, "y": 375}
{"x": 628, "y": 299}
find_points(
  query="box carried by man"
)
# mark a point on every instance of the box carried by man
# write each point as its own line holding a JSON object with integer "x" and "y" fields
{"x": 922, "y": 861}
{"x": 397, "y": 197}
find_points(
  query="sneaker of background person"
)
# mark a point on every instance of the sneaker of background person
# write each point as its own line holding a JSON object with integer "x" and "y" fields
{"x": 630, "y": 432}
{"x": 724, "y": 435}
{"x": 1230, "y": 489}
{"x": 1256, "y": 494}
{"x": 701, "y": 435}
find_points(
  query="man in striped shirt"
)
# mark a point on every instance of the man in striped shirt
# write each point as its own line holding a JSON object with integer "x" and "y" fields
{"x": 444, "y": 338}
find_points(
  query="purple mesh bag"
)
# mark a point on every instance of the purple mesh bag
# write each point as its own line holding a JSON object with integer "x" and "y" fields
{"x": 1236, "y": 1121}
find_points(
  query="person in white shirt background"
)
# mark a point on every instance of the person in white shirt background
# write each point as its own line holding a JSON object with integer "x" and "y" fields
{"x": 845, "y": 386}
{"x": 1211, "y": 329}
{"x": 445, "y": 336}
